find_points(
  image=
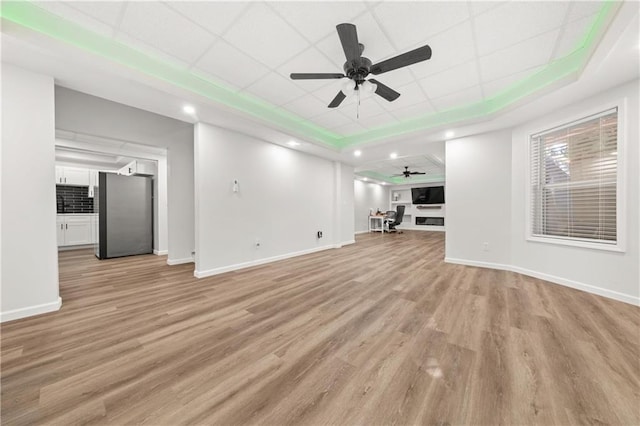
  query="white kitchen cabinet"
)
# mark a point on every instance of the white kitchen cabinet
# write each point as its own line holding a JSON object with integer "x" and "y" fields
{"x": 75, "y": 229}
{"x": 60, "y": 230}
{"x": 72, "y": 176}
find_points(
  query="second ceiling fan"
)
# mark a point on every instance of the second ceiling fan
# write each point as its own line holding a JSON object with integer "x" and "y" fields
{"x": 357, "y": 67}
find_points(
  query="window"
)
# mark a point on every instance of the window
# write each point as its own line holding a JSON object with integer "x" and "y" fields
{"x": 574, "y": 196}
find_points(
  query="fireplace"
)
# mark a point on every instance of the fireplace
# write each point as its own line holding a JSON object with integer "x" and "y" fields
{"x": 430, "y": 221}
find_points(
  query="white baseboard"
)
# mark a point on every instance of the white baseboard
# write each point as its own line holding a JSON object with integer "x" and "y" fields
{"x": 160, "y": 252}
{"x": 478, "y": 263}
{"x": 622, "y": 297}
{"x": 78, "y": 247}
{"x": 421, "y": 228}
{"x": 30, "y": 311}
{"x": 345, "y": 243}
{"x": 237, "y": 266}
{"x": 362, "y": 232}
{"x": 179, "y": 261}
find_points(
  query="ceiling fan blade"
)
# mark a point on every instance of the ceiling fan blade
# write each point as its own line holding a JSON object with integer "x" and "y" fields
{"x": 337, "y": 100}
{"x": 349, "y": 39}
{"x": 385, "y": 91}
{"x": 315, "y": 76}
{"x": 417, "y": 55}
{"x": 417, "y": 173}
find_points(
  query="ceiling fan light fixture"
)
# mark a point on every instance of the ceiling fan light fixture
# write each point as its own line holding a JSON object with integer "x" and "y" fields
{"x": 348, "y": 87}
{"x": 368, "y": 87}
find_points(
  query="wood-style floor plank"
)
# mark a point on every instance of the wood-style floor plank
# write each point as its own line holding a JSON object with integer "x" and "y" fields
{"x": 381, "y": 332}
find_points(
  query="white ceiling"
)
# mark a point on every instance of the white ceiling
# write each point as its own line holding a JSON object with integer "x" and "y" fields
{"x": 615, "y": 61}
{"x": 478, "y": 48}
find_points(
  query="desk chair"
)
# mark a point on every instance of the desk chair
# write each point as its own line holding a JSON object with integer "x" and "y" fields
{"x": 395, "y": 219}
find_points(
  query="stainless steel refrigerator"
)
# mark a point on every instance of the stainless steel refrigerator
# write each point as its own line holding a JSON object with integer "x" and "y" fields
{"x": 125, "y": 215}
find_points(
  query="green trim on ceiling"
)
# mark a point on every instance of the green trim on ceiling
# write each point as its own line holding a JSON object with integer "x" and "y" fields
{"x": 33, "y": 17}
{"x": 30, "y": 16}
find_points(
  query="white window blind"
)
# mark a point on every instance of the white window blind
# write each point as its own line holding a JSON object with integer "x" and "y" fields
{"x": 573, "y": 180}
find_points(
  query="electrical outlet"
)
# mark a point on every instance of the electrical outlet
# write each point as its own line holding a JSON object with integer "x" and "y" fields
{"x": 258, "y": 243}
{"x": 485, "y": 246}
{"x": 319, "y": 234}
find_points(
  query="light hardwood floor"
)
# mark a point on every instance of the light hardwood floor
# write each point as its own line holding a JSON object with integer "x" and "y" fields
{"x": 379, "y": 332}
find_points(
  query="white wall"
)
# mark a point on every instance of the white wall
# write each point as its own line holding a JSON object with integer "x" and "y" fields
{"x": 498, "y": 216}
{"x": 345, "y": 197}
{"x": 29, "y": 251}
{"x": 89, "y": 115}
{"x": 284, "y": 198}
{"x": 478, "y": 198}
{"x": 611, "y": 274}
{"x": 368, "y": 196}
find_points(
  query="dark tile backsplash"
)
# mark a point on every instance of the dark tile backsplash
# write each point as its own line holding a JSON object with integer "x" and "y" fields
{"x": 75, "y": 199}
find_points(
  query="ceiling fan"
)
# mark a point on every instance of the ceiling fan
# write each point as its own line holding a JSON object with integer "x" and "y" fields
{"x": 357, "y": 67}
{"x": 406, "y": 173}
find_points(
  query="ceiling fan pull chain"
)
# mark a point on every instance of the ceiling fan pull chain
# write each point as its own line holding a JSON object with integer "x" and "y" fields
{"x": 358, "y": 106}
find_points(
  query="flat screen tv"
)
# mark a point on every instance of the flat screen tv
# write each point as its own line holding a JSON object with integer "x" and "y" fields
{"x": 428, "y": 195}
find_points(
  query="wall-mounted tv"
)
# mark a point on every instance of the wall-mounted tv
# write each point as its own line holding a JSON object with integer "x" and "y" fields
{"x": 428, "y": 195}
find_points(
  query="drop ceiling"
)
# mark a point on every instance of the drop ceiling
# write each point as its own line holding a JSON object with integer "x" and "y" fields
{"x": 487, "y": 56}
{"x": 494, "y": 65}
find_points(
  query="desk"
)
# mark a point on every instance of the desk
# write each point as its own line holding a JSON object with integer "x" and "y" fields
{"x": 376, "y": 223}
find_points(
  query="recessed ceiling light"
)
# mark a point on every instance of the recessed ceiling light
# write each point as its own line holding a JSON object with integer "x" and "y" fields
{"x": 188, "y": 109}
{"x": 384, "y": 183}
{"x": 365, "y": 179}
{"x": 393, "y": 155}
{"x": 293, "y": 143}
{"x": 449, "y": 134}
{"x": 357, "y": 153}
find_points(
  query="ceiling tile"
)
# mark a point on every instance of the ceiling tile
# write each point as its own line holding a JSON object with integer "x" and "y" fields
{"x": 316, "y": 20}
{"x": 229, "y": 64}
{"x": 69, "y": 13}
{"x": 410, "y": 94}
{"x": 306, "y": 106}
{"x": 452, "y": 47}
{"x": 330, "y": 46}
{"x": 265, "y": 36}
{"x": 349, "y": 129}
{"x": 582, "y": 9}
{"x": 108, "y": 12}
{"x": 523, "y": 56}
{"x": 415, "y": 110}
{"x": 310, "y": 60}
{"x": 412, "y": 23}
{"x": 331, "y": 119}
{"x": 396, "y": 78}
{"x": 492, "y": 88}
{"x": 459, "y": 99}
{"x": 515, "y": 22}
{"x": 160, "y": 27}
{"x": 377, "y": 120}
{"x": 275, "y": 89}
{"x": 573, "y": 34}
{"x": 216, "y": 17}
{"x": 451, "y": 81}
{"x": 150, "y": 50}
{"x": 478, "y": 7}
{"x": 326, "y": 93}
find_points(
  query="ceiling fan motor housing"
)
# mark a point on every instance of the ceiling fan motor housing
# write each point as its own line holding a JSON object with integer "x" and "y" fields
{"x": 357, "y": 70}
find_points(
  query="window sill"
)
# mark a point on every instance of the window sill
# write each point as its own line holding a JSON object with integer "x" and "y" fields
{"x": 576, "y": 243}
